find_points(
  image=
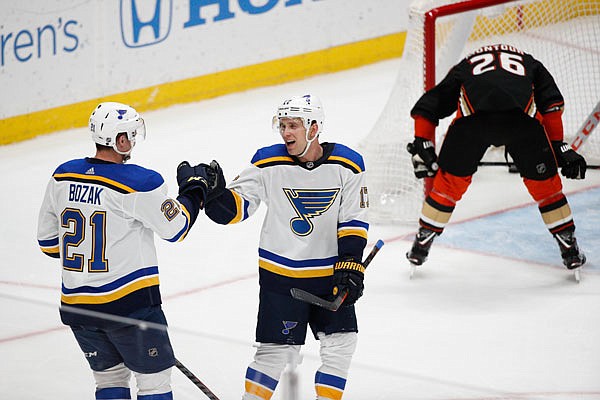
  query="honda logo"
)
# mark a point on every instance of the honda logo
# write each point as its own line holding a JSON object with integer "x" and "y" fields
{"x": 144, "y": 23}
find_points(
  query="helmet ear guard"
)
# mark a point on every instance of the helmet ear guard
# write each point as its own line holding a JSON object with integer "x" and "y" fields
{"x": 110, "y": 119}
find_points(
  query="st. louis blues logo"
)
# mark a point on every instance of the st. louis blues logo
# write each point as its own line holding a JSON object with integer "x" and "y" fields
{"x": 308, "y": 203}
{"x": 288, "y": 326}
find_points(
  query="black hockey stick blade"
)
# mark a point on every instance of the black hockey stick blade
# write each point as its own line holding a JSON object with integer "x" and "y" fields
{"x": 196, "y": 381}
{"x": 335, "y": 304}
{"x": 310, "y": 298}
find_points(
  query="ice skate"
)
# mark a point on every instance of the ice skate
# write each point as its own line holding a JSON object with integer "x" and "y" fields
{"x": 420, "y": 248}
{"x": 573, "y": 258}
{"x": 569, "y": 250}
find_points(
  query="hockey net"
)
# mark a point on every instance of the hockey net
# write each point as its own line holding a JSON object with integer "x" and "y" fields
{"x": 563, "y": 34}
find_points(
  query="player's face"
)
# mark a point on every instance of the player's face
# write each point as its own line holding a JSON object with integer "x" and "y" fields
{"x": 294, "y": 135}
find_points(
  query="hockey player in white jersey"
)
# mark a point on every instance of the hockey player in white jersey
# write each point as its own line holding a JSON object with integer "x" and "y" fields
{"x": 99, "y": 216}
{"x": 313, "y": 237}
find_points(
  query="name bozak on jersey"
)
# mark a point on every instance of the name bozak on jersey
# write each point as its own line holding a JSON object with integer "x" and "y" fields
{"x": 309, "y": 209}
{"x": 100, "y": 219}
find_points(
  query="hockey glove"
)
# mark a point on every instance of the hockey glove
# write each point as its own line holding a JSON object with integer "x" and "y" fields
{"x": 216, "y": 181}
{"x": 572, "y": 164}
{"x": 192, "y": 180}
{"x": 424, "y": 159}
{"x": 348, "y": 276}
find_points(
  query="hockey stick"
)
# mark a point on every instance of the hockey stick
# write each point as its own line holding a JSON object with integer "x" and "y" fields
{"x": 196, "y": 381}
{"x": 310, "y": 298}
{"x": 508, "y": 164}
{"x": 587, "y": 127}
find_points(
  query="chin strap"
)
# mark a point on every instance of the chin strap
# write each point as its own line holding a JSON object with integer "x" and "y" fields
{"x": 308, "y": 143}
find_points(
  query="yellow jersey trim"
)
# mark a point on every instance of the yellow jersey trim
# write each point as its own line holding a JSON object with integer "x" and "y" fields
{"x": 346, "y": 161}
{"x": 296, "y": 273}
{"x": 239, "y": 205}
{"x": 352, "y": 232}
{"x": 273, "y": 159}
{"x": 107, "y": 298}
{"x": 96, "y": 178}
{"x": 189, "y": 222}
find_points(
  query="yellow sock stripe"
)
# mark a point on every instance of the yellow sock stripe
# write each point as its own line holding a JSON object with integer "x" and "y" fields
{"x": 260, "y": 391}
{"x": 329, "y": 392}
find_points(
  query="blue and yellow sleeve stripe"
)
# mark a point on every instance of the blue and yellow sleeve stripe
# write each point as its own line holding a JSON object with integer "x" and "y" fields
{"x": 186, "y": 228}
{"x": 353, "y": 228}
{"x": 50, "y": 247}
{"x": 241, "y": 207}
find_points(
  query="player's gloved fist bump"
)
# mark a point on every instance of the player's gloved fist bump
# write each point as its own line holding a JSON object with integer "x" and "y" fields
{"x": 573, "y": 165}
{"x": 348, "y": 275}
{"x": 192, "y": 179}
{"x": 424, "y": 158}
{"x": 216, "y": 180}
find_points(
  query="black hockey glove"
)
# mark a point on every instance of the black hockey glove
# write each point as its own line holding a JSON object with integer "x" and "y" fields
{"x": 424, "y": 159}
{"x": 216, "y": 181}
{"x": 192, "y": 180}
{"x": 572, "y": 164}
{"x": 348, "y": 275}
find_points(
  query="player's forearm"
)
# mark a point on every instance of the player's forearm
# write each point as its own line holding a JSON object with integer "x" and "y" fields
{"x": 223, "y": 209}
{"x": 351, "y": 246}
{"x": 192, "y": 204}
{"x": 553, "y": 125}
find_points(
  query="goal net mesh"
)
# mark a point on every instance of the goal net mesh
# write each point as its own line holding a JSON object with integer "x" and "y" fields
{"x": 563, "y": 34}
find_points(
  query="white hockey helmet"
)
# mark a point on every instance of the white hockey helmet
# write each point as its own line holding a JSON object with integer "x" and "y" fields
{"x": 307, "y": 107}
{"x": 110, "y": 119}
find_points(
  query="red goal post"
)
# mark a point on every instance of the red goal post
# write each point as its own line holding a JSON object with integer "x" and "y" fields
{"x": 563, "y": 34}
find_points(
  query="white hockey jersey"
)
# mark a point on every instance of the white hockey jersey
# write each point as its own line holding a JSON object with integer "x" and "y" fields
{"x": 317, "y": 212}
{"x": 100, "y": 219}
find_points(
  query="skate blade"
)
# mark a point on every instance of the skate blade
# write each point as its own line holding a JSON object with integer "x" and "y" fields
{"x": 577, "y": 274}
{"x": 413, "y": 269}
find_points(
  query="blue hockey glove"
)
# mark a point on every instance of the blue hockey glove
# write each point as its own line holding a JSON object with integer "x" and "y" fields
{"x": 216, "y": 180}
{"x": 348, "y": 275}
{"x": 192, "y": 180}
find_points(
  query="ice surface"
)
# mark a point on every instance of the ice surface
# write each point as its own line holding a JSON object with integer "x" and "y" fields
{"x": 491, "y": 315}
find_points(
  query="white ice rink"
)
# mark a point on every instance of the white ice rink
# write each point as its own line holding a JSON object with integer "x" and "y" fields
{"x": 492, "y": 315}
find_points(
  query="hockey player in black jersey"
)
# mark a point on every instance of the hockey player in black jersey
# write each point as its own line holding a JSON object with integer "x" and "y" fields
{"x": 504, "y": 97}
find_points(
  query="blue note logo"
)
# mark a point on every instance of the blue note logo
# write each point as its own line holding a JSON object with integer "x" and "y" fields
{"x": 144, "y": 23}
{"x": 288, "y": 326}
{"x": 308, "y": 203}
